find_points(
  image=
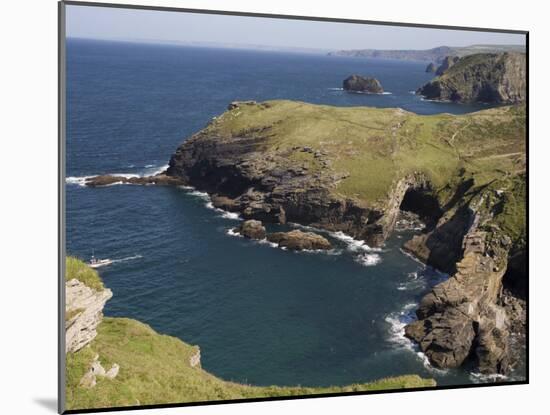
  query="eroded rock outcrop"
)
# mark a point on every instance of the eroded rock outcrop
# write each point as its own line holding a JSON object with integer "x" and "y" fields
{"x": 447, "y": 62}
{"x": 89, "y": 380}
{"x": 158, "y": 179}
{"x": 83, "y": 311}
{"x": 298, "y": 240}
{"x": 462, "y": 319}
{"x": 357, "y": 83}
{"x": 431, "y": 68}
{"x": 493, "y": 78}
{"x": 252, "y": 229}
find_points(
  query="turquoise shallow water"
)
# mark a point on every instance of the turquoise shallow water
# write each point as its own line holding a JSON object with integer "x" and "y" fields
{"x": 261, "y": 315}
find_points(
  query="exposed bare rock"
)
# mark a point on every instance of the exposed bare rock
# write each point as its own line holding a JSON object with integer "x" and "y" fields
{"x": 112, "y": 372}
{"x": 252, "y": 229}
{"x": 89, "y": 380}
{"x": 195, "y": 359}
{"x": 494, "y": 78}
{"x": 448, "y": 61}
{"x": 225, "y": 203}
{"x": 159, "y": 179}
{"x": 298, "y": 240}
{"x": 356, "y": 83}
{"x": 84, "y": 309}
{"x": 431, "y": 68}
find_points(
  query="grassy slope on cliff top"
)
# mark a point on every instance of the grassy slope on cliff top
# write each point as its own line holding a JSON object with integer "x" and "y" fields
{"x": 154, "y": 369}
{"x": 378, "y": 146}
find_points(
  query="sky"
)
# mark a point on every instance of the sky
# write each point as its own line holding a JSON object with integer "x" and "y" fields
{"x": 164, "y": 26}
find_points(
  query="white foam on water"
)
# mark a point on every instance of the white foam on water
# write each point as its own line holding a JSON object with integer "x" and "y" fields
{"x": 371, "y": 93}
{"x": 398, "y": 321}
{"x": 268, "y": 243}
{"x": 158, "y": 170}
{"x": 477, "y": 377}
{"x": 80, "y": 181}
{"x": 335, "y": 89}
{"x": 369, "y": 260}
{"x": 354, "y": 245}
{"x": 232, "y": 232}
{"x": 199, "y": 194}
{"x": 414, "y": 282}
{"x": 230, "y": 215}
{"x": 147, "y": 166}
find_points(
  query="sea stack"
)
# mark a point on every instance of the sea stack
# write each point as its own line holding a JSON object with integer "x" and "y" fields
{"x": 357, "y": 83}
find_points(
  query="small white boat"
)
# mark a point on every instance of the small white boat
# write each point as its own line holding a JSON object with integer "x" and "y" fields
{"x": 96, "y": 263}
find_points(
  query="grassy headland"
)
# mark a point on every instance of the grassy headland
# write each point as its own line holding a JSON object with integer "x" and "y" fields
{"x": 155, "y": 368}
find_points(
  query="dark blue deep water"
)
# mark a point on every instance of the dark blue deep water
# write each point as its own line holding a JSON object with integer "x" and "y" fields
{"x": 261, "y": 315}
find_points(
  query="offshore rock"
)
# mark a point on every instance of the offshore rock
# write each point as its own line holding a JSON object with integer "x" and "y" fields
{"x": 159, "y": 179}
{"x": 252, "y": 229}
{"x": 357, "y": 83}
{"x": 298, "y": 240}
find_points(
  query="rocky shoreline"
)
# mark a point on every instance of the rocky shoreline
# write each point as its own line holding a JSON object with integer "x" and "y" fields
{"x": 469, "y": 234}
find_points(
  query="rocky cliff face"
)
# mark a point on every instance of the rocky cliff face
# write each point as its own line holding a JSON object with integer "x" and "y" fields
{"x": 460, "y": 319}
{"x": 495, "y": 78}
{"x": 83, "y": 313}
{"x": 354, "y": 170}
{"x": 448, "y": 62}
{"x": 431, "y": 68}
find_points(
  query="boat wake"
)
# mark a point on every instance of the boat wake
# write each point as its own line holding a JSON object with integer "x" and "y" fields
{"x": 129, "y": 258}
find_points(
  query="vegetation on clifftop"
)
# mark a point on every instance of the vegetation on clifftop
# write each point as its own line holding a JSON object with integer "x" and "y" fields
{"x": 76, "y": 268}
{"x": 377, "y": 146}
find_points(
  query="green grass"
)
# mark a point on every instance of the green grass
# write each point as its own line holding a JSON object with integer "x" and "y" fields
{"x": 154, "y": 369}
{"x": 377, "y": 146}
{"x": 76, "y": 268}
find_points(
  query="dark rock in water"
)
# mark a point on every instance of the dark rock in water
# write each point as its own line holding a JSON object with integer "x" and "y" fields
{"x": 252, "y": 229}
{"x": 356, "y": 83}
{"x": 159, "y": 179}
{"x": 492, "y": 78}
{"x": 298, "y": 240}
{"x": 446, "y": 64}
{"x": 446, "y": 338}
{"x": 431, "y": 67}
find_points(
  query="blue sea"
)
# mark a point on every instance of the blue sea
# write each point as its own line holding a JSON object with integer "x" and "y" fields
{"x": 261, "y": 315}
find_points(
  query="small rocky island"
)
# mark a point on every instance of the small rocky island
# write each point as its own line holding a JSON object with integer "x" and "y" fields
{"x": 464, "y": 175}
{"x": 493, "y": 78}
{"x": 295, "y": 240}
{"x": 357, "y": 83}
